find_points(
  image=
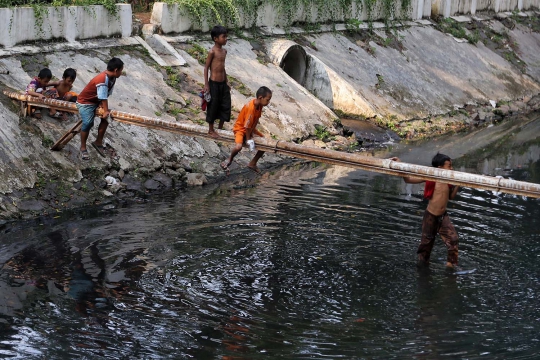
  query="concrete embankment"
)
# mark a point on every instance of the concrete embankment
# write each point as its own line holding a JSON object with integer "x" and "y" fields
{"x": 420, "y": 81}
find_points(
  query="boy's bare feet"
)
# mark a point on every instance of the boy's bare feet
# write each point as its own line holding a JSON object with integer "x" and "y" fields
{"x": 254, "y": 168}
{"x": 225, "y": 166}
{"x": 213, "y": 134}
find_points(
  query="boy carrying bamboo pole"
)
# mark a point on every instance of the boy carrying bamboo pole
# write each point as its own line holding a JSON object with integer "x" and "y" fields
{"x": 436, "y": 218}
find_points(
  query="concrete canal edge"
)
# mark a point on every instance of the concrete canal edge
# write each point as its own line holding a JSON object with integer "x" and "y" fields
{"x": 416, "y": 81}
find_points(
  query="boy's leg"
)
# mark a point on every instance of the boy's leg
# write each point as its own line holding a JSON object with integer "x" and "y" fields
{"x": 225, "y": 105}
{"x": 253, "y": 163}
{"x": 84, "y": 137}
{"x": 430, "y": 226}
{"x": 87, "y": 114}
{"x": 238, "y": 141}
{"x": 212, "y": 110}
{"x": 450, "y": 237}
{"x": 101, "y": 132}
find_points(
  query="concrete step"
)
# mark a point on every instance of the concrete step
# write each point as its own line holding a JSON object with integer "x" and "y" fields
{"x": 164, "y": 51}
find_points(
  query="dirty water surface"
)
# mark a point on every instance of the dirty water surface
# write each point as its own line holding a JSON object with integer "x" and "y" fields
{"x": 310, "y": 262}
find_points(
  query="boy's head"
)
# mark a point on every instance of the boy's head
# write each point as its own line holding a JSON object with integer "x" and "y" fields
{"x": 69, "y": 76}
{"x": 44, "y": 76}
{"x": 264, "y": 95}
{"x": 115, "y": 66}
{"x": 441, "y": 161}
{"x": 219, "y": 34}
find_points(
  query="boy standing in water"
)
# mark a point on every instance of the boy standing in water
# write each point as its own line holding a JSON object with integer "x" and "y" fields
{"x": 219, "y": 106}
{"x": 95, "y": 94}
{"x": 245, "y": 127}
{"x": 436, "y": 219}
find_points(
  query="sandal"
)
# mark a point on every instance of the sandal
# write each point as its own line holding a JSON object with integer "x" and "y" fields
{"x": 99, "y": 148}
{"x": 84, "y": 155}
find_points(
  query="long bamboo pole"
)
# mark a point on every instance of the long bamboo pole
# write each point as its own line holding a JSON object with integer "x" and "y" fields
{"x": 358, "y": 161}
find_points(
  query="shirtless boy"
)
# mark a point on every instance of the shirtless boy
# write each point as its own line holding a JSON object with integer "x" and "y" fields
{"x": 66, "y": 84}
{"x": 219, "y": 106}
{"x": 436, "y": 219}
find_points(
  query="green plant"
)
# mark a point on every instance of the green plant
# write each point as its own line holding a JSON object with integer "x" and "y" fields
{"x": 322, "y": 133}
{"x": 174, "y": 111}
{"x": 158, "y": 114}
{"x": 47, "y": 141}
{"x": 353, "y": 25}
{"x": 197, "y": 52}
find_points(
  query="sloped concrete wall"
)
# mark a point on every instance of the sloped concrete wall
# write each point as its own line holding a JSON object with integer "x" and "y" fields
{"x": 69, "y": 23}
{"x": 431, "y": 76}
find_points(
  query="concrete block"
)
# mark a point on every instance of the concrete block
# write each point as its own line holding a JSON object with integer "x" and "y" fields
{"x": 19, "y": 25}
{"x": 461, "y": 19}
{"x": 177, "y": 59}
{"x": 151, "y": 51}
{"x": 423, "y": 22}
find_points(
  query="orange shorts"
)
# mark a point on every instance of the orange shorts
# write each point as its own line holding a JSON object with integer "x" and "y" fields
{"x": 239, "y": 137}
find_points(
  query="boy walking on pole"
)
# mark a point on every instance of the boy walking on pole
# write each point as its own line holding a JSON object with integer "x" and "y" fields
{"x": 245, "y": 128}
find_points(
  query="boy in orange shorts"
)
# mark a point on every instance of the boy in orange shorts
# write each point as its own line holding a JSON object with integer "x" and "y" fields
{"x": 245, "y": 127}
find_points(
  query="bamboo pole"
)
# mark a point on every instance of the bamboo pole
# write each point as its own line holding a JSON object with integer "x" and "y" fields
{"x": 358, "y": 161}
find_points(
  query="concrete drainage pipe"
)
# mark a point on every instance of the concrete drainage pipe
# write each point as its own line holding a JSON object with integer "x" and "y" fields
{"x": 323, "y": 82}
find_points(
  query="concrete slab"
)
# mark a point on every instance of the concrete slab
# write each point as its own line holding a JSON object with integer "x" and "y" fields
{"x": 178, "y": 39}
{"x": 461, "y": 18}
{"x": 171, "y": 56}
{"x": 424, "y": 22}
{"x": 478, "y": 17}
{"x": 54, "y": 47}
{"x": 151, "y": 51}
{"x": 432, "y": 75}
{"x": 272, "y": 30}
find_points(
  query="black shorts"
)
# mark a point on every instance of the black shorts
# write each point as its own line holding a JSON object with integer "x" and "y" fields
{"x": 219, "y": 107}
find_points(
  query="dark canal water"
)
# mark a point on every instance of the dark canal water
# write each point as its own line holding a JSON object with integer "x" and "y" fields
{"x": 311, "y": 262}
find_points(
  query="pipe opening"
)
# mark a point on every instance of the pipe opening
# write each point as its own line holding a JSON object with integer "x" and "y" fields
{"x": 294, "y": 63}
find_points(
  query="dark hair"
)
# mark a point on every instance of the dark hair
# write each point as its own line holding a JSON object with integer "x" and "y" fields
{"x": 70, "y": 73}
{"x": 263, "y": 92}
{"x": 218, "y": 30}
{"x": 439, "y": 160}
{"x": 45, "y": 74}
{"x": 115, "y": 64}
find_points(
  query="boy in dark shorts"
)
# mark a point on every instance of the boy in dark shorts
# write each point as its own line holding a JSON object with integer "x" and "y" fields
{"x": 246, "y": 126}
{"x": 95, "y": 94}
{"x": 219, "y": 106}
{"x": 436, "y": 219}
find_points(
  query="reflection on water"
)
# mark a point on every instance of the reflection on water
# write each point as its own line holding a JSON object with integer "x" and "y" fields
{"x": 313, "y": 262}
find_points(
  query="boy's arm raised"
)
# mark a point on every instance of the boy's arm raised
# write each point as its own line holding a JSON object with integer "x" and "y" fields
{"x": 206, "y": 68}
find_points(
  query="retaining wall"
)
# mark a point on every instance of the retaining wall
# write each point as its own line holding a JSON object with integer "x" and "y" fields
{"x": 448, "y": 8}
{"x": 69, "y": 23}
{"x": 173, "y": 18}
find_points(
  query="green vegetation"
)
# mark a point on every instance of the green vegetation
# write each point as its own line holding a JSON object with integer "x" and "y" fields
{"x": 227, "y": 12}
{"x": 47, "y": 141}
{"x": 322, "y": 133}
{"x": 456, "y": 29}
{"x": 197, "y": 52}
